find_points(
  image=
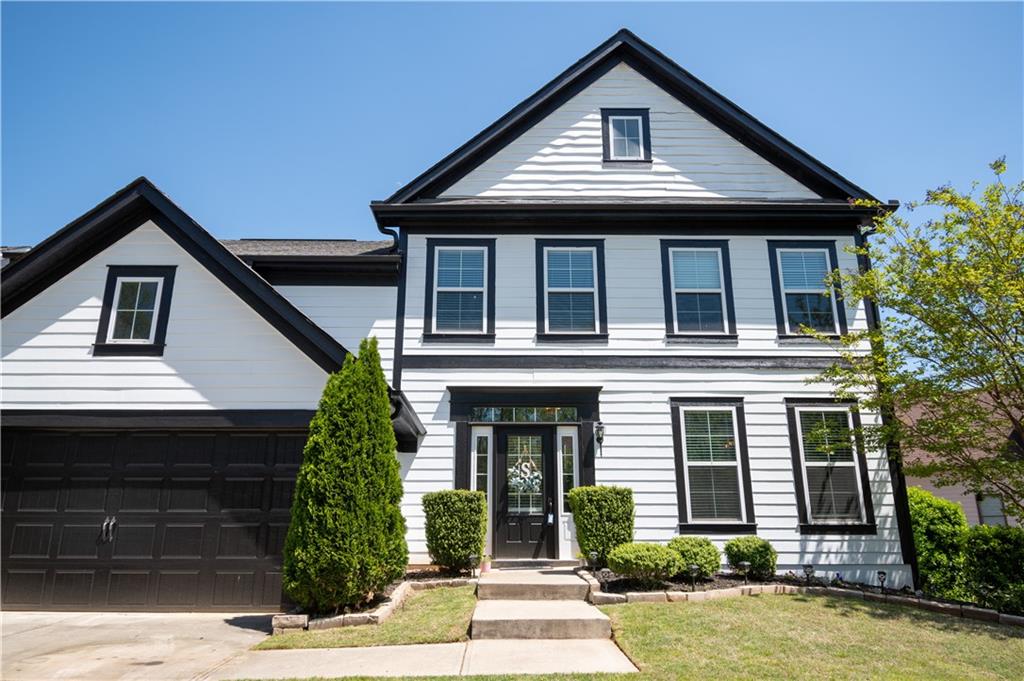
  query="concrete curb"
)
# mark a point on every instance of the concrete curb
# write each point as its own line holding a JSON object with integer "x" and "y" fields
{"x": 598, "y": 597}
{"x": 284, "y": 623}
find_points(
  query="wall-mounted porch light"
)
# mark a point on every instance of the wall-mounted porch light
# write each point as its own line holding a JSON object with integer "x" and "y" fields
{"x": 599, "y": 432}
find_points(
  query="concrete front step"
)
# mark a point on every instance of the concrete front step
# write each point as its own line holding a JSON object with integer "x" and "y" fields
{"x": 538, "y": 620}
{"x": 532, "y": 564}
{"x": 532, "y": 585}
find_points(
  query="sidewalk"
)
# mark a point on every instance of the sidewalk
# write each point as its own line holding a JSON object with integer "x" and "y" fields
{"x": 467, "y": 658}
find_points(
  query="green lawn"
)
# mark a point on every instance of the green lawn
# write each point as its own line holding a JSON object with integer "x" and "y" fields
{"x": 431, "y": 616}
{"x": 798, "y": 637}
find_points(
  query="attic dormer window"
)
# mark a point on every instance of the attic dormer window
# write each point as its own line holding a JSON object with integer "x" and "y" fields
{"x": 626, "y": 135}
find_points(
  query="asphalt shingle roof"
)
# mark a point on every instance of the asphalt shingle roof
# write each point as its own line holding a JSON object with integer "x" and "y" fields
{"x": 326, "y": 247}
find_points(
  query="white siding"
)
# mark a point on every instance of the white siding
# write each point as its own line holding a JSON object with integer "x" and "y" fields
{"x": 638, "y": 453}
{"x": 220, "y": 353}
{"x": 350, "y": 314}
{"x": 636, "y": 309}
{"x": 562, "y": 154}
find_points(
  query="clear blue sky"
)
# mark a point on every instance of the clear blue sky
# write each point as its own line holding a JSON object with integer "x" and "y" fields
{"x": 285, "y": 120}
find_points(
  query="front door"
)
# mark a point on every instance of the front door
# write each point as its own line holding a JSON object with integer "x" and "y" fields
{"x": 524, "y": 524}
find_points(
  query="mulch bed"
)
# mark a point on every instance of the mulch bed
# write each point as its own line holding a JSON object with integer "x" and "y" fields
{"x": 613, "y": 583}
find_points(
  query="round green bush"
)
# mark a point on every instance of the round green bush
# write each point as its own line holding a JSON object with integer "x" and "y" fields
{"x": 644, "y": 562}
{"x": 940, "y": 528}
{"x": 697, "y": 551}
{"x": 456, "y": 526}
{"x": 993, "y": 560}
{"x": 758, "y": 552}
{"x": 603, "y": 517}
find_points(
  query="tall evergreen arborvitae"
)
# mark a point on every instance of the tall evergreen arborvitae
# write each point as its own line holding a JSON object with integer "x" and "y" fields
{"x": 346, "y": 540}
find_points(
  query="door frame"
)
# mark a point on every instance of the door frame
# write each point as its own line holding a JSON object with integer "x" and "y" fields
{"x": 499, "y": 483}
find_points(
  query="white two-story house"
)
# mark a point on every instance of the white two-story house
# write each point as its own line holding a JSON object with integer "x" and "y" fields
{"x": 605, "y": 286}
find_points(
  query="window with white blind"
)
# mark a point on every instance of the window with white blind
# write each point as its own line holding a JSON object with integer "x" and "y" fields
{"x": 460, "y": 290}
{"x": 698, "y": 290}
{"x": 711, "y": 464}
{"x": 990, "y": 510}
{"x": 833, "y": 489}
{"x": 806, "y": 300}
{"x": 570, "y": 286}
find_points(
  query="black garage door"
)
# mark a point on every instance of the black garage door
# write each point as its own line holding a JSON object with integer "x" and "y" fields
{"x": 183, "y": 520}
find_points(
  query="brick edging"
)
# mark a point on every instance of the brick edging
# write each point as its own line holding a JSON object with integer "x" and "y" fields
{"x": 598, "y": 597}
{"x": 285, "y": 623}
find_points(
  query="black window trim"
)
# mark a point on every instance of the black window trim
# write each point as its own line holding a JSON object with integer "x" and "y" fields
{"x": 102, "y": 348}
{"x": 606, "y": 139}
{"x": 601, "y": 334}
{"x": 667, "y": 245}
{"x": 485, "y": 336}
{"x": 685, "y": 525}
{"x": 773, "y": 262}
{"x": 808, "y": 526}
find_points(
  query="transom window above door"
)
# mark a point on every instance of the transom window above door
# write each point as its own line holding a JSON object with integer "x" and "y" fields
{"x": 460, "y": 283}
{"x": 802, "y": 297}
{"x": 136, "y": 304}
{"x": 698, "y": 290}
{"x": 571, "y": 289}
{"x": 626, "y": 135}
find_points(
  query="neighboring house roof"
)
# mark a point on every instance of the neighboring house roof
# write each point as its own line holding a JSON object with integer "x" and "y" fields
{"x": 122, "y": 213}
{"x": 245, "y": 248}
{"x": 626, "y": 47}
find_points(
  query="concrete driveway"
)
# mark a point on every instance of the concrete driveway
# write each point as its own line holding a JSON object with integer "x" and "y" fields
{"x": 41, "y": 646}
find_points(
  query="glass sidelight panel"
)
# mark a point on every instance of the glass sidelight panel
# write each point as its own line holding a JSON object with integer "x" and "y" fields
{"x": 525, "y": 473}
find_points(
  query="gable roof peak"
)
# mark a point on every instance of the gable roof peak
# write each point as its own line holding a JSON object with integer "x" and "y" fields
{"x": 624, "y": 46}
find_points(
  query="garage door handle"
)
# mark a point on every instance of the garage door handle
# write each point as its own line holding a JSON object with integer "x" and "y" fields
{"x": 104, "y": 528}
{"x": 112, "y": 529}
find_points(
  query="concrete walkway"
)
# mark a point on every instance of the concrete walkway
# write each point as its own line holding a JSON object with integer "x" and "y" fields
{"x": 468, "y": 658}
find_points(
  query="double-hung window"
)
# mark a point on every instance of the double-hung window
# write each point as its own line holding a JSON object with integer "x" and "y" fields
{"x": 711, "y": 465}
{"x": 830, "y": 468}
{"x": 802, "y": 298}
{"x": 459, "y": 288}
{"x": 626, "y": 135}
{"x": 571, "y": 288}
{"x": 697, "y": 288}
{"x": 136, "y": 304}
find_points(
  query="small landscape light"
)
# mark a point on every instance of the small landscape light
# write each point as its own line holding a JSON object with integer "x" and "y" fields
{"x": 593, "y": 558}
{"x": 694, "y": 571}
{"x": 744, "y": 569}
{"x": 808, "y": 572}
{"x": 881, "y": 579}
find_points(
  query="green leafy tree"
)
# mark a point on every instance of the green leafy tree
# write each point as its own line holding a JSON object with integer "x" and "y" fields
{"x": 346, "y": 541}
{"x": 948, "y": 358}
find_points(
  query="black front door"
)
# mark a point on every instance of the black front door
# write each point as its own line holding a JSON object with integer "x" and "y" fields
{"x": 524, "y": 479}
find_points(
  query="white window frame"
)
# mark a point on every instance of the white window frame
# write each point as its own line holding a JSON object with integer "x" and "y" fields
{"x": 721, "y": 289}
{"x": 854, "y": 463}
{"x": 683, "y": 408}
{"x": 460, "y": 289}
{"x": 611, "y": 137}
{"x": 114, "y": 310}
{"x": 574, "y": 432}
{"x": 593, "y": 289}
{"x": 474, "y": 433}
{"x": 830, "y": 266}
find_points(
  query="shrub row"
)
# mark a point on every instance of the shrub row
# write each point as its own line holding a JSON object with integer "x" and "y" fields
{"x": 979, "y": 564}
{"x": 654, "y": 562}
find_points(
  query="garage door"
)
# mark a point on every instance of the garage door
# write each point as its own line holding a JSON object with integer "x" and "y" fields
{"x": 183, "y": 520}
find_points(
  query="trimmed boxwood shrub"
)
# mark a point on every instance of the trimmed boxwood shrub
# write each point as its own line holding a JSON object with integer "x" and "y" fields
{"x": 758, "y": 552}
{"x": 940, "y": 528}
{"x": 994, "y": 567}
{"x": 603, "y": 517}
{"x": 699, "y": 551}
{"x": 346, "y": 540}
{"x": 644, "y": 562}
{"x": 456, "y": 527}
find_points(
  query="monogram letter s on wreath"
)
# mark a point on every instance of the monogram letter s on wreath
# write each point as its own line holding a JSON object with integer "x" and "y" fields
{"x": 524, "y": 478}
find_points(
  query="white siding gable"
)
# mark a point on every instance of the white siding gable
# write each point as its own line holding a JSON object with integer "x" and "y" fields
{"x": 561, "y": 156}
{"x": 220, "y": 353}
